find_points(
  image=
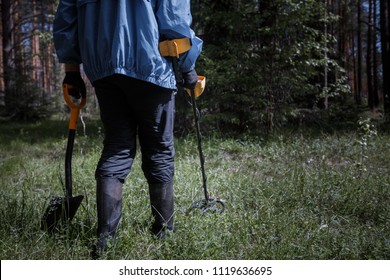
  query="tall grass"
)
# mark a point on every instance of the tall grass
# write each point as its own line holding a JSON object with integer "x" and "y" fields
{"x": 292, "y": 196}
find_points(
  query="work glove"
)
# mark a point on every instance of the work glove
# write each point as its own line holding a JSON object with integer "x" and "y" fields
{"x": 77, "y": 89}
{"x": 190, "y": 79}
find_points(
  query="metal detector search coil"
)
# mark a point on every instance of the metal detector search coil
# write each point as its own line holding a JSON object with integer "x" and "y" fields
{"x": 210, "y": 206}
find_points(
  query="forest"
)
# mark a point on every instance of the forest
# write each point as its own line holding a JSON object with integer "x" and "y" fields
{"x": 268, "y": 63}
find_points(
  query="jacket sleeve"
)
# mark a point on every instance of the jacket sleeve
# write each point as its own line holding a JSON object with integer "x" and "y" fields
{"x": 65, "y": 34}
{"x": 174, "y": 21}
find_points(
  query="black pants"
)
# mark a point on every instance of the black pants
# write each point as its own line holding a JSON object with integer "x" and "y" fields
{"x": 131, "y": 107}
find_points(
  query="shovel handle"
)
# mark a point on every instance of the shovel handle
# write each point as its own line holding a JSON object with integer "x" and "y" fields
{"x": 74, "y": 107}
{"x": 74, "y": 115}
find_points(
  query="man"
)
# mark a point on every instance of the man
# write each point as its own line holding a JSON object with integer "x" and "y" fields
{"x": 118, "y": 44}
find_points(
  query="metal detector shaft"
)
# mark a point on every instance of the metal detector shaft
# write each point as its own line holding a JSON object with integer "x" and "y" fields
{"x": 199, "y": 137}
{"x": 207, "y": 204}
{"x": 197, "y": 126}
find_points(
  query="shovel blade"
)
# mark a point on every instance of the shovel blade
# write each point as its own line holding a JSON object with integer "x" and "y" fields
{"x": 60, "y": 211}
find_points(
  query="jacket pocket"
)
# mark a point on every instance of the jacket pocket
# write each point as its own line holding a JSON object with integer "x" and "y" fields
{"x": 82, "y": 2}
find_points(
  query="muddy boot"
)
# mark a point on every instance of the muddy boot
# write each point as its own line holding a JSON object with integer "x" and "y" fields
{"x": 109, "y": 212}
{"x": 161, "y": 201}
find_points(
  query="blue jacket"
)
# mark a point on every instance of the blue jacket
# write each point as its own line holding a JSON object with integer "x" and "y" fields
{"x": 122, "y": 36}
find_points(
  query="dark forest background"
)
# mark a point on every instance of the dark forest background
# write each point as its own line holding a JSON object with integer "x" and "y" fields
{"x": 269, "y": 64}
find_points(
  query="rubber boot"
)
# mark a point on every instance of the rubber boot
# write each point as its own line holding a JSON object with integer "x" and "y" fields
{"x": 161, "y": 201}
{"x": 109, "y": 212}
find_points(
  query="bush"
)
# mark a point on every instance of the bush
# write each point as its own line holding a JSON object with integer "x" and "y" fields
{"x": 26, "y": 101}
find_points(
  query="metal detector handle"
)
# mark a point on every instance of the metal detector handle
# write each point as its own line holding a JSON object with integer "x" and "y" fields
{"x": 199, "y": 88}
{"x": 200, "y": 85}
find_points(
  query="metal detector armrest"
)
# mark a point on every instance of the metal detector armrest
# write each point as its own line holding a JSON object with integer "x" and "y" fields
{"x": 174, "y": 47}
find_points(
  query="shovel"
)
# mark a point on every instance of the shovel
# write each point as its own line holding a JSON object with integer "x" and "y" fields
{"x": 61, "y": 210}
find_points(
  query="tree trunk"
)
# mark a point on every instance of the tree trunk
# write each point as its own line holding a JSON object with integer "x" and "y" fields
{"x": 36, "y": 60}
{"x": 342, "y": 33}
{"x": 375, "y": 58}
{"x": 385, "y": 45}
{"x": 358, "y": 93}
{"x": 369, "y": 58}
{"x": 19, "y": 49}
{"x": 8, "y": 54}
{"x": 326, "y": 58}
{"x": 1, "y": 66}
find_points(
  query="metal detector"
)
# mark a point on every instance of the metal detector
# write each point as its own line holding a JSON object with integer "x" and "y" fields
{"x": 173, "y": 48}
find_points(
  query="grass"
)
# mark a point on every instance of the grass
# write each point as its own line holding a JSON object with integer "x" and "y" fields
{"x": 292, "y": 196}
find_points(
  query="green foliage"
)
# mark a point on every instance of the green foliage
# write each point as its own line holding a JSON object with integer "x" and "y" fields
{"x": 263, "y": 61}
{"x": 291, "y": 196}
{"x": 26, "y": 101}
{"x": 366, "y": 132}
